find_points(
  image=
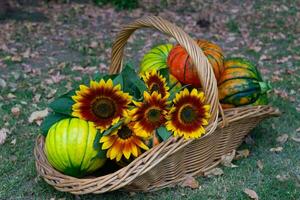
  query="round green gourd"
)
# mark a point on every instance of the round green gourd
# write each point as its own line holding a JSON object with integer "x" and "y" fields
{"x": 69, "y": 147}
{"x": 156, "y": 58}
{"x": 241, "y": 84}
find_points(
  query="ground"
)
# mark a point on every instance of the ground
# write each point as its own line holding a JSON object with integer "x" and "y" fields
{"x": 47, "y": 48}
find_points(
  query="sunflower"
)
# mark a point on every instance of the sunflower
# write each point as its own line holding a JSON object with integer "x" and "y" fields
{"x": 102, "y": 103}
{"x": 123, "y": 141}
{"x": 155, "y": 82}
{"x": 150, "y": 114}
{"x": 188, "y": 115}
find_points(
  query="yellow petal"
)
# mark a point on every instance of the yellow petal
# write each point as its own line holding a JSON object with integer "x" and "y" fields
{"x": 93, "y": 84}
{"x": 114, "y": 151}
{"x": 109, "y": 83}
{"x": 194, "y": 92}
{"x": 204, "y": 122}
{"x": 127, "y": 150}
{"x": 104, "y": 138}
{"x": 185, "y": 92}
{"x": 108, "y": 143}
{"x": 206, "y": 108}
{"x": 117, "y": 87}
{"x": 102, "y": 83}
{"x": 115, "y": 120}
{"x": 134, "y": 150}
{"x": 201, "y": 96}
{"x": 141, "y": 144}
{"x": 119, "y": 156}
{"x": 76, "y": 114}
{"x": 146, "y": 96}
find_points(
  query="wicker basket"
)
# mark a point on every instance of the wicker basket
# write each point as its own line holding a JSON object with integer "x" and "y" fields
{"x": 169, "y": 162}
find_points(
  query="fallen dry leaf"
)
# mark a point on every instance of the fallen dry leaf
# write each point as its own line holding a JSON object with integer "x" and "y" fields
{"x": 296, "y": 177}
{"x": 242, "y": 154}
{"x": 282, "y": 138}
{"x": 214, "y": 172}
{"x": 51, "y": 93}
{"x": 276, "y": 149}
{"x": 37, "y": 98}
{"x": 190, "y": 182}
{"x": 296, "y": 138}
{"x": 251, "y": 193}
{"x": 14, "y": 141}
{"x": 249, "y": 140}
{"x": 27, "y": 53}
{"x": 3, "y": 83}
{"x": 227, "y": 159}
{"x": 16, "y": 58}
{"x": 11, "y": 96}
{"x": 93, "y": 44}
{"x": 260, "y": 165}
{"x": 38, "y": 116}
{"x": 16, "y": 111}
{"x": 3, "y": 135}
{"x": 282, "y": 178}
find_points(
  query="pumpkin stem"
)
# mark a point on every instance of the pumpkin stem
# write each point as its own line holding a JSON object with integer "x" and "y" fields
{"x": 265, "y": 87}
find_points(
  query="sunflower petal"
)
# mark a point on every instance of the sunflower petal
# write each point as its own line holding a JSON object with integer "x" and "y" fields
{"x": 127, "y": 149}
{"x": 134, "y": 150}
{"x": 140, "y": 144}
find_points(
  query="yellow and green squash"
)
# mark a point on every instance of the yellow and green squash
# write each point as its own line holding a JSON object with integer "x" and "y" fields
{"x": 69, "y": 147}
{"x": 241, "y": 84}
{"x": 156, "y": 58}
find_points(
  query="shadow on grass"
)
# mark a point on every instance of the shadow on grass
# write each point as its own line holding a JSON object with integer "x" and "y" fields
{"x": 21, "y": 15}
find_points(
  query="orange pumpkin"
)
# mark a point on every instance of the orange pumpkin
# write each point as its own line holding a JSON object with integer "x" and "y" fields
{"x": 180, "y": 64}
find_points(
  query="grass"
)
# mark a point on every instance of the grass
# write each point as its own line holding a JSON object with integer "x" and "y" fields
{"x": 18, "y": 178}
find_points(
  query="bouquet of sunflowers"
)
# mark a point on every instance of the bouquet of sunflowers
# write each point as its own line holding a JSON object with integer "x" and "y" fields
{"x": 127, "y": 114}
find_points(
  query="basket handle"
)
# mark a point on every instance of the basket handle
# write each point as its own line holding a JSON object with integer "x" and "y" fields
{"x": 204, "y": 69}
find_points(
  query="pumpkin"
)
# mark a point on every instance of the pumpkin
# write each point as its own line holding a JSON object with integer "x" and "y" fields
{"x": 241, "y": 84}
{"x": 181, "y": 66}
{"x": 156, "y": 58}
{"x": 69, "y": 147}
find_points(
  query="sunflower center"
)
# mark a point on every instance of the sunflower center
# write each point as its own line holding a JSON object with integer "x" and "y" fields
{"x": 154, "y": 87}
{"x": 125, "y": 132}
{"x": 153, "y": 115}
{"x": 188, "y": 114}
{"x": 103, "y": 107}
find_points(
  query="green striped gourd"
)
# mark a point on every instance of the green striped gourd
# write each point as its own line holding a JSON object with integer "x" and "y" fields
{"x": 241, "y": 84}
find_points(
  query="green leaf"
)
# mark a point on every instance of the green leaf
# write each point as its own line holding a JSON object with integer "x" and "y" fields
{"x": 62, "y": 105}
{"x": 50, "y": 120}
{"x": 98, "y": 146}
{"x": 174, "y": 91}
{"x": 165, "y": 73}
{"x": 132, "y": 82}
{"x": 112, "y": 128}
{"x": 163, "y": 133}
{"x": 119, "y": 80}
{"x": 98, "y": 76}
{"x": 105, "y": 76}
{"x": 69, "y": 94}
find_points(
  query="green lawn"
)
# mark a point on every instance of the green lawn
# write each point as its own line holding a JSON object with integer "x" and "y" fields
{"x": 72, "y": 35}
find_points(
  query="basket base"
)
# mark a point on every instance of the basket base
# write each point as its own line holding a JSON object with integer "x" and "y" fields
{"x": 152, "y": 171}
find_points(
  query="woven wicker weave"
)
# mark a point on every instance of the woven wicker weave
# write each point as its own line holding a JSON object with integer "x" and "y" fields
{"x": 169, "y": 162}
